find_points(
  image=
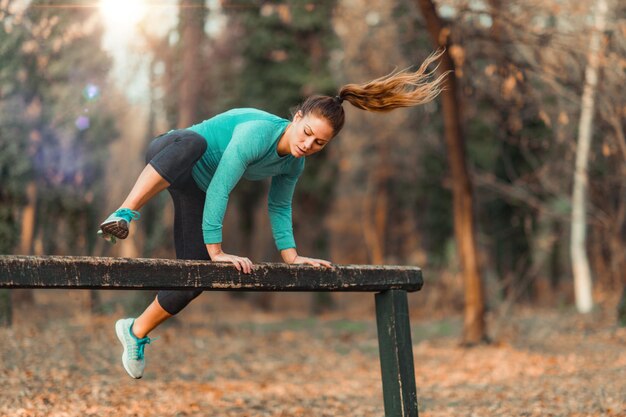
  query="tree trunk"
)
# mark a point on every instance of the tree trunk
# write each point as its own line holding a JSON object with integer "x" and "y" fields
{"x": 474, "y": 327}
{"x": 376, "y": 208}
{"x": 621, "y": 310}
{"x": 26, "y": 296}
{"x": 191, "y": 30}
{"x": 580, "y": 262}
{"x": 28, "y": 220}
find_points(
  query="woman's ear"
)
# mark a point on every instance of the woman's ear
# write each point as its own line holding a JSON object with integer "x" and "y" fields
{"x": 297, "y": 116}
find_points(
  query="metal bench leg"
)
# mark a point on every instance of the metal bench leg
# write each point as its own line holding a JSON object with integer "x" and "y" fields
{"x": 396, "y": 354}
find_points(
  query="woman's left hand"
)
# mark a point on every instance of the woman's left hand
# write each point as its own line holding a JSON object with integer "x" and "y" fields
{"x": 311, "y": 261}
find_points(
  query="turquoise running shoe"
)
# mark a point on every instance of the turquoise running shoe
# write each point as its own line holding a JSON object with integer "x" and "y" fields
{"x": 117, "y": 224}
{"x": 133, "y": 355}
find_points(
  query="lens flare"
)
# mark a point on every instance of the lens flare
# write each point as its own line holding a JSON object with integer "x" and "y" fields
{"x": 91, "y": 92}
{"x": 82, "y": 122}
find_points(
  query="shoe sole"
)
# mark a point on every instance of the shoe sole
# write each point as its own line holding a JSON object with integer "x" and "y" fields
{"x": 118, "y": 228}
{"x": 107, "y": 237}
{"x": 119, "y": 331}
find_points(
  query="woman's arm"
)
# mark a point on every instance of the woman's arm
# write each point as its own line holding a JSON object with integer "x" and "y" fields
{"x": 240, "y": 152}
{"x": 229, "y": 171}
{"x": 279, "y": 207}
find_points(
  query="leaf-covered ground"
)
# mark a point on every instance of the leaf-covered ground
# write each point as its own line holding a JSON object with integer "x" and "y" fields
{"x": 221, "y": 358}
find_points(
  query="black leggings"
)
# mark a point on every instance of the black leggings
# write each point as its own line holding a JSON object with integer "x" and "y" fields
{"x": 173, "y": 155}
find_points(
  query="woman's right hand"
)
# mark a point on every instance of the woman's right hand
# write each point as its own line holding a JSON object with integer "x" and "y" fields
{"x": 242, "y": 264}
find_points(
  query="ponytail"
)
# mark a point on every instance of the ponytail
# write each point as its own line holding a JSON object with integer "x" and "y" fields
{"x": 403, "y": 88}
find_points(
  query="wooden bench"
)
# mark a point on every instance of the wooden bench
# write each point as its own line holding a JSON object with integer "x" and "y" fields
{"x": 390, "y": 283}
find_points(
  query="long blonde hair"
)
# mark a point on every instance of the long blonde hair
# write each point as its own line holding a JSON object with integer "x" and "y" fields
{"x": 404, "y": 88}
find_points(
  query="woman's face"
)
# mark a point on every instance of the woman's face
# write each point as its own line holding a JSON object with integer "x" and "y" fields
{"x": 309, "y": 134}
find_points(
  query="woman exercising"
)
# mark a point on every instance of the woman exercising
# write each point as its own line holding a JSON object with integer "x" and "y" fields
{"x": 200, "y": 166}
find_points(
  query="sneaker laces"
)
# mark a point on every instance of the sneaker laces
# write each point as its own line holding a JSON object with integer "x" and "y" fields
{"x": 128, "y": 214}
{"x": 137, "y": 350}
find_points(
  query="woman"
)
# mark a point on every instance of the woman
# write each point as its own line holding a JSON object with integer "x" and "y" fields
{"x": 200, "y": 165}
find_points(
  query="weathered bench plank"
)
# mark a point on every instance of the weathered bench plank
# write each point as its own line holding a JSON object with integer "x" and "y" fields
{"x": 151, "y": 274}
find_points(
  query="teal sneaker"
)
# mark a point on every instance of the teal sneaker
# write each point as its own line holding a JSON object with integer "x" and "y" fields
{"x": 116, "y": 225}
{"x": 133, "y": 355}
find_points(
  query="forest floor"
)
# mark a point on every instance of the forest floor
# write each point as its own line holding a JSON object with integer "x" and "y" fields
{"x": 223, "y": 358}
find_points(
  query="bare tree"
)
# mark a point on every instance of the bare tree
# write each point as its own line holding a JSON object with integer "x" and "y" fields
{"x": 191, "y": 24}
{"x": 580, "y": 262}
{"x": 474, "y": 328}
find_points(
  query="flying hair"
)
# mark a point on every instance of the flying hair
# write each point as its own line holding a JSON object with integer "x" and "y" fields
{"x": 400, "y": 88}
{"x": 404, "y": 88}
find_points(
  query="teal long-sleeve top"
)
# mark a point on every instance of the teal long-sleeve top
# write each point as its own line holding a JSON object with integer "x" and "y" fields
{"x": 242, "y": 143}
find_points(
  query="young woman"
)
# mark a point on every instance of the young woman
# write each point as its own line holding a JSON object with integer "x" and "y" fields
{"x": 199, "y": 166}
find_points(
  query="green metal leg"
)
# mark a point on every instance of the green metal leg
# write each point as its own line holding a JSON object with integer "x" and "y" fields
{"x": 396, "y": 354}
{"x": 5, "y": 308}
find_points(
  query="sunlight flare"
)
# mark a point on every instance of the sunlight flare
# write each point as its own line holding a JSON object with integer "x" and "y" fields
{"x": 123, "y": 15}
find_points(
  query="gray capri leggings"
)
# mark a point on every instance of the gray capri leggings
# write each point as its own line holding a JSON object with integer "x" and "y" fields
{"x": 173, "y": 155}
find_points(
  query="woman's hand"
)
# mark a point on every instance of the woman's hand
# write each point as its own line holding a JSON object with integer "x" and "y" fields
{"x": 290, "y": 256}
{"x": 242, "y": 264}
{"x": 311, "y": 261}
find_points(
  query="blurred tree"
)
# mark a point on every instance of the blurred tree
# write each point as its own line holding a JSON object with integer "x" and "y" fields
{"x": 65, "y": 72}
{"x": 191, "y": 21}
{"x": 15, "y": 164}
{"x": 179, "y": 93}
{"x": 163, "y": 115}
{"x": 547, "y": 80}
{"x": 607, "y": 162}
{"x": 372, "y": 215}
{"x": 522, "y": 71}
{"x": 509, "y": 144}
{"x": 177, "y": 63}
{"x": 580, "y": 262}
{"x": 621, "y": 309}
{"x": 474, "y": 328}
{"x": 58, "y": 77}
{"x": 285, "y": 46}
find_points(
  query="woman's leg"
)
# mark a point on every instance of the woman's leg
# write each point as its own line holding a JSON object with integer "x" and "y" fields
{"x": 169, "y": 158}
{"x": 188, "y": 240}
{"x": 149, "y": 184}
{"x": 189, "y": 243}
{"x": 149, "y": 319}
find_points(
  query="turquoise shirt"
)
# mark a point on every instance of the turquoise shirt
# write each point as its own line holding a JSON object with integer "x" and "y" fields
{"x": 242, "y": 143}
